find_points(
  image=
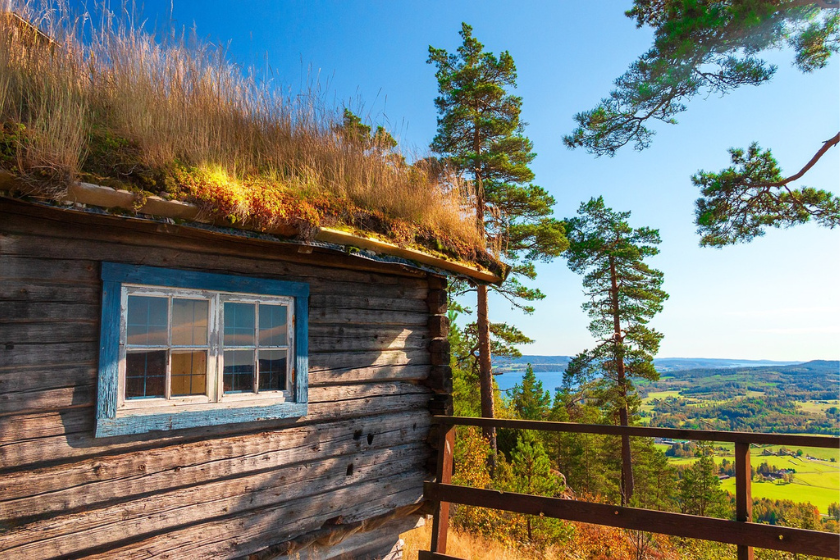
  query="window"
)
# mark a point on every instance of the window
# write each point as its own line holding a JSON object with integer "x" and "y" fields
{"x": 181, "y": 349}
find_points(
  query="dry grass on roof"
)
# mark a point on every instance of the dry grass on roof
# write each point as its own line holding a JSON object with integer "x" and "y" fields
{"x": 96, "y": 99}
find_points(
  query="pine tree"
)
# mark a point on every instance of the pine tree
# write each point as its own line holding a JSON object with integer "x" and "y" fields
{"x": 654, "y": 479}
{"x": 583, "y": 458}
{"x": 529, "y": 399}
{"x": 624, "y": 294}
{"x": 352, "y": 129}
{"x": 703, "y": 47}
{"x": 700, "y": 492}
{"x": 480, "y": 133}
{"x": 530, "y": 472}
{"x": 464, "y": 352}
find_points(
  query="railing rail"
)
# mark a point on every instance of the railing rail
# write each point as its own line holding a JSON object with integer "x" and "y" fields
{"x": 742, "y": 532}
{"x": 829, "y": 442}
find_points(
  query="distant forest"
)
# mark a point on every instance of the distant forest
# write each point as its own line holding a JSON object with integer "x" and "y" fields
{"x": 663, "y": 365}
{"x": 799, "y": 398}
{"x": 733, "y": 395}
{"x": 814, "y": 380}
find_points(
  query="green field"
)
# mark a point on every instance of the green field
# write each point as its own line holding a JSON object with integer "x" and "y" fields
{"x": 764, "y": 399}
{"x": 818, "y": 452}
{"x": 817, "y": 406}
{"x": 799, "y": 491}
{"x": 815, "y": 481}
{"x": 661, "y": 395}
{"x": 647, "y": 407}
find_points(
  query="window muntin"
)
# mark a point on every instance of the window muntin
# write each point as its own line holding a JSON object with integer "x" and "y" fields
{"x": 182, "y": 347}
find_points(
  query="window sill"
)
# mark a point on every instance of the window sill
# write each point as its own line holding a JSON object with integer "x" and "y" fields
{"x": 136, "y": 421}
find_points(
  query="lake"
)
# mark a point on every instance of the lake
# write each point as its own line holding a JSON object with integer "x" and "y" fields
{"x": 550, "y": 379}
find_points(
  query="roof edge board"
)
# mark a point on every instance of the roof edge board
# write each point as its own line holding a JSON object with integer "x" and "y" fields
{"x": 107, "y": 197}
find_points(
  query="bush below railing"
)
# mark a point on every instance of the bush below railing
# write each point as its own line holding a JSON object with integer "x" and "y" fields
{"x": 742, "y": 532}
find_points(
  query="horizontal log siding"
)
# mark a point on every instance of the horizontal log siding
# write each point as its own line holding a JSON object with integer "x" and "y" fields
{"x": 222, "y": 491}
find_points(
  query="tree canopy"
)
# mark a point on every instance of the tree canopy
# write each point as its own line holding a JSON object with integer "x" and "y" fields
{"x": 624, "y": 294}
{"x": 480, "y": 133}
{"x": 530, "y": 400}
{"x": 712, "y": 46}
{"x": 352, "y": 129}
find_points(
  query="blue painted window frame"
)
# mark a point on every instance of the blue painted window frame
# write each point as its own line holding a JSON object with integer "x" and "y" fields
{"x": 111, "y": 422}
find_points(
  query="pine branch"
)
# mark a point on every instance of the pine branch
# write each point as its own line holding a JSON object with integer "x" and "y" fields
{"x": 827, "y": 145}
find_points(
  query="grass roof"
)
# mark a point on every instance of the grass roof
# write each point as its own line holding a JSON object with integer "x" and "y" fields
{"x": 112, "y": 104}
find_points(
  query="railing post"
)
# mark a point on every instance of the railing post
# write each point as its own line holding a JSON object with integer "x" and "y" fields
{"x": 743, "y": 493}
{"x": 440, "y": 523}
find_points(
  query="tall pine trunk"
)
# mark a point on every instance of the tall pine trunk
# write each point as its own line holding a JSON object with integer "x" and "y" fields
{"x": 485, "y": 368}
{"x": 485, "y": 373}
{"x": 623, "y": 415}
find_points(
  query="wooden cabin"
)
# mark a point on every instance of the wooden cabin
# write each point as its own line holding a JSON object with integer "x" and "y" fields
{"x": 175, "y": 389}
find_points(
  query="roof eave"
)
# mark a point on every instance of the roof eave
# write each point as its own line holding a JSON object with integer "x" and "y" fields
{"x": 107, "y": 197}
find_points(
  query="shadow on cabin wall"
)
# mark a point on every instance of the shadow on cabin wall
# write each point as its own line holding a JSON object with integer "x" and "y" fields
{"x": 360, "y": 453}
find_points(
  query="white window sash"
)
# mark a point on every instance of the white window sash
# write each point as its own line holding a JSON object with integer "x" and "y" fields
{"x": 214, "y": 396}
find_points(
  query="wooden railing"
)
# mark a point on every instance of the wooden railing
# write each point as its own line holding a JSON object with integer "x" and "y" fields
{"x": 741, "y": 532}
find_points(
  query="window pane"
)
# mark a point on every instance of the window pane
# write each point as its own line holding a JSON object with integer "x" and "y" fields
{"x": 145, "y": 374}
{"x": 272, "y": 325}
{"x": 239, "y": 324}
{"x": 147, "y": 320}
{"x": 239, "y": 371}
{"x": 189, "y": 373}
{"x": 272, "y": 370}
{"x": 189, "y": 322}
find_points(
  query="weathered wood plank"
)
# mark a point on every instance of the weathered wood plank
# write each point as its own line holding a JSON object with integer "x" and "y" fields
{"x": 367, "y": 544}
{"x": 328, "y": 361}
{"x": 34, "y": 221}
{"x": 38, "y": 291}
{"x": 357, "y": 316}
{"x": 40, "y": 390}
{"x": 329, "y": 394}
{"x": 373, "y": 340}
{"x": 19, "y": 427}
{"x": 73, "y": 271}
{"x": 250, "y": 532}
{"x": 330, "y": 301}
{"x": 68, "y": 534}
{"x": 84, "y": 483}
{"x": 46, "y": 378}
{"x": 13, "y": 356}
{"x": 48, "y": 333}
{"x": 20, "y": 269}
{"x": 360, "y": 330}
{"x": 368, "y": 375}
{"x": 20, "y": 402}
{"x": 44, "y": 448}
{"x": 179, "y": 255}
{"x": 12, "y": 312}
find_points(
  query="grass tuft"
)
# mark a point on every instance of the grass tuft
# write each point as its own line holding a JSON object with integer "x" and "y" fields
{"x": 95, "y": 97}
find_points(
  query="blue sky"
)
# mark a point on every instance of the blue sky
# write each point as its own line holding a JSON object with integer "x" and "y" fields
{"x": 775, "y": 298}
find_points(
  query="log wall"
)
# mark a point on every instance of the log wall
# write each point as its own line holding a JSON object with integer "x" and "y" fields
{"x": 215, "y": 492}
